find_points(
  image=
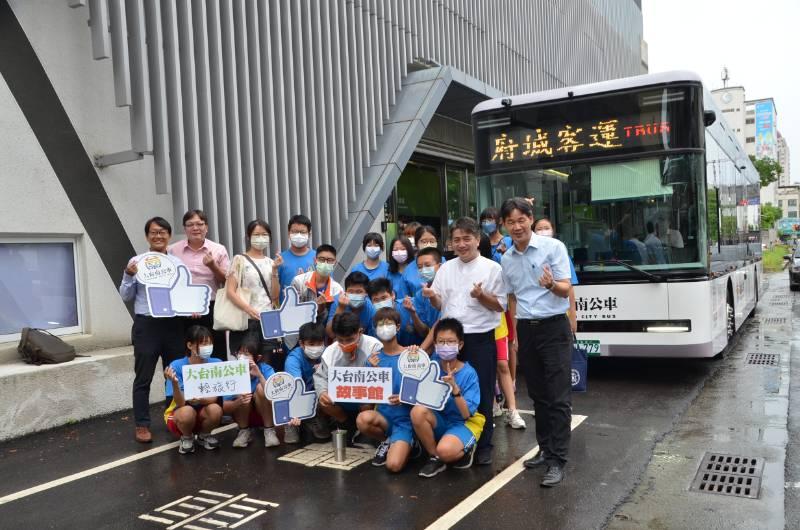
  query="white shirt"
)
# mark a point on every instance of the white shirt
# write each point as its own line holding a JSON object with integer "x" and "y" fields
{"x": 454, "y": 282}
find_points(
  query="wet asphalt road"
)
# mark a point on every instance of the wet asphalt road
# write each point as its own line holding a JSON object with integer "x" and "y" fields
{"x": 631, "y": 404}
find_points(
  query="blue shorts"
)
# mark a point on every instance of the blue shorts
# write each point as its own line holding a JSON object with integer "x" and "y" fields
{"x": 400, "y": 430}
{"x": 457, "y": 429}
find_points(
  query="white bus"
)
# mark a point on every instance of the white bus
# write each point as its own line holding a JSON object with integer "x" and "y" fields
{"x": 657, "y": 203}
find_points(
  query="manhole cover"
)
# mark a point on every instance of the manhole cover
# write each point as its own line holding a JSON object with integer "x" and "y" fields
{"x": 733, "y": 475}
{"x": 762, "y": 359}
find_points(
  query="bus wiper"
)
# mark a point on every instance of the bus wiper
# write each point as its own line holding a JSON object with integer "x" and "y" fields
{"x": 649, "y": 276}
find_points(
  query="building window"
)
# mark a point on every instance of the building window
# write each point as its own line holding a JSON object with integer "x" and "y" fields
{"x": 780, "y": 203}
{"x": 750, "y": 139}
{"x": 44, "y": 293}
{"x": 727, "y": 110}
{"x": 792, "y": 214}
{"x": 792, "y": 202}
{"x": 750, "y": 121}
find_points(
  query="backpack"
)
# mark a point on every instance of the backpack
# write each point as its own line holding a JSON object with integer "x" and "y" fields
{"x": 39, "y": 346}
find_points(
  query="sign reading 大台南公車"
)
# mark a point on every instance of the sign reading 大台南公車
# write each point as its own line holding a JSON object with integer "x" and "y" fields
{"x": 169, "y": 288}
{"x": 359, "y": 384}
{"x": 216, "y": 379}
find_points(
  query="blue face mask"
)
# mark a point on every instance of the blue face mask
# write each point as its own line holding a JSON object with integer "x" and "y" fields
{"x": 427, "y": 273}
{"x": 383, "y": 303}
{"x": 356, "y": 300}
{"x": 489, "y": 228}
{"x": 373, "y": 252}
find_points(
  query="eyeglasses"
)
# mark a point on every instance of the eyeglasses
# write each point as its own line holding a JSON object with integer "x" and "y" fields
{"x": 447, "y": 343}
{"x": 199, "y": 224}
{"x": 329, "y": 261}
{"x": 158, "y": 233}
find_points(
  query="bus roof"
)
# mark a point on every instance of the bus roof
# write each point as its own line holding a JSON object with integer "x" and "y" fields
{"x": 591, "y": 88}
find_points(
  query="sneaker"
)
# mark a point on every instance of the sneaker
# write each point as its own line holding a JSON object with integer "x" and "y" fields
{"x": 466, "y": 460}
{"x": 319, "y": 428}
{"x": 432, "y": 467}
{"x": 208, "y": 441}
{"x": 291, "y": 434}
{"x": 515, "y": 421}
{"x": 186, "y": 445}
{"x": 497, "y": 410}
{"x": 143, "y": 434}
{"x": 270, "y": 438}
{"x": 380, "y": 454}
{"x": 243, "y": 438}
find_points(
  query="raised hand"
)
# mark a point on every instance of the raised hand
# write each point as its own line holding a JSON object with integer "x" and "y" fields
{"x": 477, "y": 290}
{"x": 546, "y": 278}
{"x": 428, "y": 292}
{"x": 131, "y": 269}
{"x": 170, "y": 375}
{"x": 208, "y": 259}
{"x": 408, "y": 303}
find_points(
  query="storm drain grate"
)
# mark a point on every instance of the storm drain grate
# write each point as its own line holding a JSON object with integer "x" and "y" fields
{"x": 762, "y": 359}
{"x": 733, "y": 475}
{"x": 773, "y": 320}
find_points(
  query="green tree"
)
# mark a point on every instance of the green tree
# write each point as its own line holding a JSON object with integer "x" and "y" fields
{"x": 768, "y": 169}
{"x": 769, "y": 214}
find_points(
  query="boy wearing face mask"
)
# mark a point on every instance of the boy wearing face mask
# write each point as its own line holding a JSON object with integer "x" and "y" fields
{"x": 428, "y": 261}
{"x": 450, "y": 435}
{"x": 199, "y": 416}
{"x": 351, "y": 348}
{"x": 302, "y": 362}
{"x": 372, "y": 266}
{"x": 390, "y": 423}
{"x": 299, "y": 257}
{"x": 490, "y": 225}
{"x": 412, "y": 329}
{"x": 353, "y": 300}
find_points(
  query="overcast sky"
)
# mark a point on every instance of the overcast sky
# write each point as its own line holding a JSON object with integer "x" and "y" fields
{"x": 759, "y": 42}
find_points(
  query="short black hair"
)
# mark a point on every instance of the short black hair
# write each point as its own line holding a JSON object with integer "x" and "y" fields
{"x": 466, "y": 224}
{"x": 515, "y": 203}
{"x": 256, "y": 223}
{"x": 387, "y": 312}
{"x": 650, "y": 227}
{"x": 252, "y": 344}
{"x": 372, "y": 237}
{"x": 198, "y": 334}
{"x": 422, "y": 230}
{"x": 299, "y": 219}
{"x": 356, "y": 278}
{"x": 160, "y": 221}
{"x": 539, "y": 220}
{"x": 394, "y": 267}
{"x": 378, "y": 286}
{"x": 312, "y": 331}
{"x": 346, "y": 324}
{"x": 449, "y": 324}
{"x": 326, "y": 248}
{"x": 431, "y": 251}
{"x": 191, "y": 213}
{"x": 490, "y": 213}
{"x": 485, "y": 247}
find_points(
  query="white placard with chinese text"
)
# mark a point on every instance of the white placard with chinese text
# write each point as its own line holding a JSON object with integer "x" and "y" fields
{"x": 359, "y": 384}
{"x": 216, "y": 379}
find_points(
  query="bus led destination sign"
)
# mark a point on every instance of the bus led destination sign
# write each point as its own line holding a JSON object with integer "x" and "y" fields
{"x": 552, "y": 142}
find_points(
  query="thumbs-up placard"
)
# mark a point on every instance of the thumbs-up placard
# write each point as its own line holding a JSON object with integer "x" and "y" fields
{"x": 421, "y": 384}
{"x": 289, "y": 317}
{"x": 289, "y": 398}
{"x": 179, "y": 296}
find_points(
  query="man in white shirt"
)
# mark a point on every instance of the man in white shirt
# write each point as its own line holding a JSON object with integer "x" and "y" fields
{"x": 471, "y": 290}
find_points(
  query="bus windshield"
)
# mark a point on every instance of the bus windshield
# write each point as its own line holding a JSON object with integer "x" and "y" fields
{"x": 617, "y": 217}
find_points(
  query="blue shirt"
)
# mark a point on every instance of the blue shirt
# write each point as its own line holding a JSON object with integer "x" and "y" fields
{"x": 521, "y": 272}
{"x": 292, "y": 263}
{"x": 392, "y": 413}
{"x": 131, "y": 289}
{"x": 265, "y": 369}
{"x": 506, "y": 242}
{"x": 298, "y": 365}
{"x": 365, "y": 314}
{"x": 178, "y": 365}
{"x": 425, "y": 310}
{"x": 412, "y": 277}
{"x": 574, "y": 276}
{"x": 381, "y": 271}
{"x": 467, "y": 381}
{"x": 399, "y": 284}
{"x": 407, "y": 335}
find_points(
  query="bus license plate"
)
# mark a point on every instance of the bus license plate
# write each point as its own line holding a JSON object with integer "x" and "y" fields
{"x": 592, "y": 347}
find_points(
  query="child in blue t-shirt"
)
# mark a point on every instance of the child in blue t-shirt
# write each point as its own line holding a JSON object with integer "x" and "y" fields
{"x": 390, "y": 423}
{"x": 449, "y": 436}
{"x": 412, "y": 329}
{"x": 302, "y": 362}
{"x": 299, "y": 257}
{"x": 253, "y": 409}
{"x": 372, "y": 266}
{"x": 200, "y": 416}
{"x": 353, "y": 300}
{"x": 428, "y": 262}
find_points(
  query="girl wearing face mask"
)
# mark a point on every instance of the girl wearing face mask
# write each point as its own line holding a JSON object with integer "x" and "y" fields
{"x": 185, "y": 418}
{"x": 426, "y": 238}
{"x": 410, "y": 231}
{"x": 402, "y": 253}
{"x": 253, "y": 284}
{"x": 490, "y": 225}
{"x": 390, "y": 423}
{"x": 373, "y": 266}
{"x": 450, "y": 435}
{"x": 301, "y": 363}
{"x": 543, "y": 227}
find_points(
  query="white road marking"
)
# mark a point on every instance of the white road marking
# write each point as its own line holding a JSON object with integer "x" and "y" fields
{"x": 173, "y": 503}
{"x": 468, "y": 505}
{"x": 248, "y": 518}
{"x": 192, "y": 506}
{"x": 193, "y": 527}
{"x": 176, "y": 514}
{"x": 156, "y": 519}
{"x": 215, "y": 494}
{"x": 207, "y": 501}
{"x": 229, "y": 514}
{"x": 245, "y": 508}
{"x": 215, "y": 522}
{"x": 261, "y": 503}
{"x": 95, "y": 470}
{"x": 207, "y": 517}
{"x": 206, "y": 512}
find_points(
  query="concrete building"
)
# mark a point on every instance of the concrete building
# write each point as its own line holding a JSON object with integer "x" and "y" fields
{"x": 784, "y": 159}
{"x": 354, "y": 112}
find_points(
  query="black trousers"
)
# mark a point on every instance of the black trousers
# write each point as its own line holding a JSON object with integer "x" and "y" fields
{"x": 271, "y": 351}
{"x": 207, "y": 321}
{"x": 480, "y": 351}
{"x": 545, "y": 353}
{"x": 152, "y": 338}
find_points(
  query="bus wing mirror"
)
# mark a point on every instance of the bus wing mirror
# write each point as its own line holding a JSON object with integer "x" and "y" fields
{"x": 709, "y": 117}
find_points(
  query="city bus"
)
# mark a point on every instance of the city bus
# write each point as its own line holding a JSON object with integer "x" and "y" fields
{"x": 655, "y": 200}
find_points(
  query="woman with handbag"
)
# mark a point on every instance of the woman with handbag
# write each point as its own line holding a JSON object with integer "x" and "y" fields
{"x": 252, "y": 287}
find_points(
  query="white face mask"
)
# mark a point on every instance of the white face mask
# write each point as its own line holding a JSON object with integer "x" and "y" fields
{"x": 386, "y": 332}
{"x": 400, "y": 256}
{"x": 411, "y": 239}
{"x": 299, "y": 240}
{"x": 259, "y": 242}
{"x": 313, "y": 352}
{"x": 544, "y": 233}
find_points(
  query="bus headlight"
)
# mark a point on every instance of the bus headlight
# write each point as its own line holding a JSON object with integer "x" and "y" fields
{"x": 667, "y": 329}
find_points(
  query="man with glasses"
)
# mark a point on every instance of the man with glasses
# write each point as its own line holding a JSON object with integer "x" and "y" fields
{"x": 299, "y": 257}
{"x": 208, "y": 262}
